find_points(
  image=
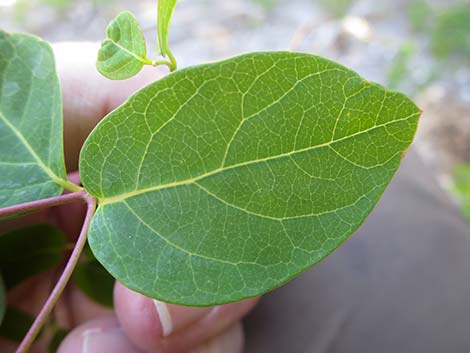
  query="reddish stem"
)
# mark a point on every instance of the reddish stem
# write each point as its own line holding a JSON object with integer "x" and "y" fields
{"x": 63, "y": 280}
{"x": 42, "y": 204}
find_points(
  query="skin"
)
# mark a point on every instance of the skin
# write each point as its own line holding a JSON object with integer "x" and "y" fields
{"x": 138, "y": 324}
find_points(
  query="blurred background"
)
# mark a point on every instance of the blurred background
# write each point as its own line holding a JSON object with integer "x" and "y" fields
{"x": 420, "y": 47}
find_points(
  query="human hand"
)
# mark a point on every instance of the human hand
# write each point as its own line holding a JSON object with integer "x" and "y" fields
{"x": 138, "y": 324}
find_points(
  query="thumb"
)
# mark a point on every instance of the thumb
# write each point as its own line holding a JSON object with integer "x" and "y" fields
{"x": 88, "y": 96}
{"x": 167, "y": 328}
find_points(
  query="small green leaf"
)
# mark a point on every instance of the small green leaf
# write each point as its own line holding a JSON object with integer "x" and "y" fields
{"x": 31, "y": 149}
{"x": 95, "y": 282}
{"x": 223, "y": 181}
{"x": 123, "y": 53}
{"x": 29, "y": 251}
{"x": 16, "y": 324}
{"x": 165, "y": 11}
{"x": 3, "y": 299}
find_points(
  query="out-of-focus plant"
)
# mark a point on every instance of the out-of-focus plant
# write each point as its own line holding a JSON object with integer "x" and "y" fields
{"x": 451, "y": 34}
{"x": 399, "y": 69}
{"x": 24, "y": 8}
{"x": 461, "y": 186}
{"x": 267, "y": 4}
{"x": 420, "y": 14}
{"x": 338, "y": 8}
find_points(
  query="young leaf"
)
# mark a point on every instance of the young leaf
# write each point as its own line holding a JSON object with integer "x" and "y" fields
{"x": 31, "y": 149}
{"x": 3, "y": 299}
{"x": 123, "y": 53}
{"x": 223, "y": 181}
{"x": 165, "y": 11}
{"x": 28, "y": 251}
{"x": 95, "y": 282}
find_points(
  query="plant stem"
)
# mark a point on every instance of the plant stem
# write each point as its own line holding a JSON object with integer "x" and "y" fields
{"x": 171, "y": 64}
{"x": 68, "y": 185}
{"x": 62, "y": 282}
{"x": 42, "y": 204}
{"x": 172, "y": 61}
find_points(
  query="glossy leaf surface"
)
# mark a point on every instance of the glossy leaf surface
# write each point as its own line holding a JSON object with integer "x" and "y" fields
{"x": 29, "y": 251}
{"x": 165, "y": 12}
{"x": 31, "y": 148}
{"x": 123, "y": 53}
{"x": 223, "y": 181}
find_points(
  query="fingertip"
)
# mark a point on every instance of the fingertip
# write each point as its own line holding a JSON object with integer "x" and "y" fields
{"x": 148, "y": 322}
{"x": 102, "y": 335}
{"x": 158, "y": 327}
{"x": 137, "y": 316}
{"x": 230, "y": 341}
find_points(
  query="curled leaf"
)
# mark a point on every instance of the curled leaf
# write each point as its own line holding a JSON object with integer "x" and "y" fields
{"x": 123, "y": 53}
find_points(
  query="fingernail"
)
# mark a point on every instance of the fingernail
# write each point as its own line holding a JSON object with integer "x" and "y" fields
{"x": 111, "y": 340}
{"x": 174, "y": 317}
{"x": 164, "y": 316}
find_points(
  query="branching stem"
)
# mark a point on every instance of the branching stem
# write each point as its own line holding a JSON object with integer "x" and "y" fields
{"x": 42, "y": 204}
{"x": 171, "y": 63}
{"x": 63, "y": 280}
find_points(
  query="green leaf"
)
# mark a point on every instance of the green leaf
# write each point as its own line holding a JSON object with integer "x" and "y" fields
{"x": 31, "y": 149}
{"x": 95, "y": 282}
{"x": 123, "y": 53}
{"x": 165, "y": 11}
{"x": 3, "y": 299}
{"x": 29, "y": 251}
{"x": 15, "y": 325}
{"x": 223, "y": 181}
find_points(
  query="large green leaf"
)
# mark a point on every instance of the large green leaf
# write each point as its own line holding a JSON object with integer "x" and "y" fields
{"x": 223, "y": 181}
{"x": 123, "y": 53}
{"x": 31, "y": 147}
{"x": 165, "y": 12}
{"x": 28, "y": 251}
{"x": 3, "y": 299}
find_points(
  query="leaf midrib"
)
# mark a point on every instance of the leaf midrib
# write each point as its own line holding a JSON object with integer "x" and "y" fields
{"x": 121, "y": 197}
{"x": 127, "y": 51}
{"x": 31, "y": 150}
